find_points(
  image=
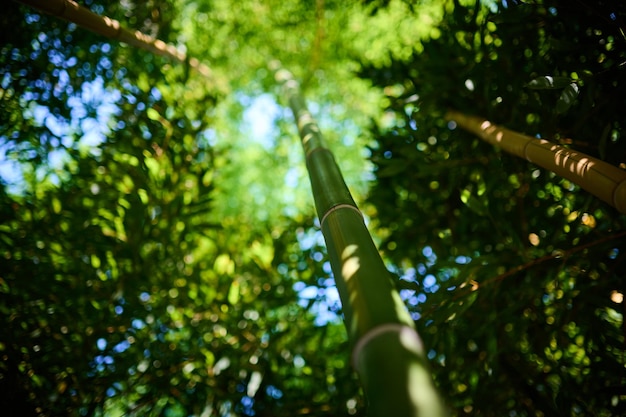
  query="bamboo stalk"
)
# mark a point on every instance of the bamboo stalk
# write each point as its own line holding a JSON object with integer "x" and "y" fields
{"x": 73, "y": 12}
{"x": 599, "y": 178}
{"x": 386, "y": 349}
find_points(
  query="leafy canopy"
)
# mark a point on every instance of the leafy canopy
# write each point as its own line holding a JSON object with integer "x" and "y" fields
{"x": 159, "y": 253}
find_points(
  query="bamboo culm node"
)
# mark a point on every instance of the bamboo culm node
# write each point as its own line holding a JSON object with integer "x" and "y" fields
{"x": 605, "y": 181}
{"x": 387, "y": 352}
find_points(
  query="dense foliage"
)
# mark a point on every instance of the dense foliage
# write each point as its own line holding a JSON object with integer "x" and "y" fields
{"x": 522, "y": 271}
{"x": 125, "y": 287}
{"x": 156, "y": 261}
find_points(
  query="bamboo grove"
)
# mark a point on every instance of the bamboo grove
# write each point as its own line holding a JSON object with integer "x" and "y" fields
{"x": 502, "y": 291}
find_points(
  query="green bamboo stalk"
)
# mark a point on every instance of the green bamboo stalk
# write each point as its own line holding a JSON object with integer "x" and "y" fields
{"x": 73, "y": 12}
{"x": 599, "y": 178}
{"x": 386, "y": 350}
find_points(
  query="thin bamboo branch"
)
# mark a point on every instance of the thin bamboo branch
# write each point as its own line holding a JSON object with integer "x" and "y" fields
{"x": 386, "y": 349}
{"x": 472, "y": 285}
{"x": 601, "y": 179}
{"x": 75, "y": 13}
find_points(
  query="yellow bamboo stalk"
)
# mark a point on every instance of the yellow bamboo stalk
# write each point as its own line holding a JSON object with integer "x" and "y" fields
{"x": 73, "y": 12}
{"x": 599, "y": 178}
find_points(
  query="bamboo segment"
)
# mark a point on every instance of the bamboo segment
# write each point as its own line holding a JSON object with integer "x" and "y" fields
{"x": 73, "y": 12}
{"x": 386, "y": 349}
{"x": 599, "y": 178}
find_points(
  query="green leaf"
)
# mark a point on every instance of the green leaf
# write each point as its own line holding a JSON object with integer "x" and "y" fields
{"x": 153, "y": 114}
{"x": 568, "y": 96}
{"x": 393, "y": 168}
{"x": 143, "y": 82}
{"x": 233, "y": 293}
{"x": 262, "y": 254}
{"x": 603, "y": 141}
{"x": 4, "y": 288}
{"x": 224, "y": 265}
{"x": 474, "y": 203}
{"x": 548, "y": 82}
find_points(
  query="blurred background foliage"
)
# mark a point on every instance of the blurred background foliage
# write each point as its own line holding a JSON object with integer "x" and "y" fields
{"x": 523, "y": 273}
{"x": 159, "y": 249}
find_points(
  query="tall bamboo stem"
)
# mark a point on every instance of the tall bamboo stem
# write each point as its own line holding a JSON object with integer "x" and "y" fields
{"x": 73, "y": 12}
{"x": 601, "y": 179}
{"x": 386, "y": 349}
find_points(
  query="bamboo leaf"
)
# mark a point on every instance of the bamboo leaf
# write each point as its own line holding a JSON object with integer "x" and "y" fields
{"x": 393, "y": 168}
{"x": 263, "y": 255}
{"x": 224, "y": 265}
{"x": 603, "y": 141}
{"x": 568, "y": 96}
{"x": 548, "y": 82}
{"x": 475, "y": 204}
{"x": 153, "y": 114}
{"x": 233, "y": 293}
